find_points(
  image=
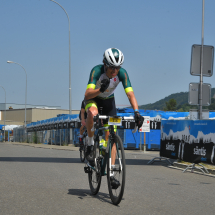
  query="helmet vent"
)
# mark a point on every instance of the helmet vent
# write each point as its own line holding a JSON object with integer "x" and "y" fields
{"x": 121, "y": 59}
{"x": 111, "y": 59}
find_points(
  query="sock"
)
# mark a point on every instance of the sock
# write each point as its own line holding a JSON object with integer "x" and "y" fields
{"x": 90, "y": 141}
{"x": 111, "y": 172}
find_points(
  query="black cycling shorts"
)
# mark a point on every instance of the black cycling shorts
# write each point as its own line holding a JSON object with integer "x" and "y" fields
{"x": 105, "y": 106}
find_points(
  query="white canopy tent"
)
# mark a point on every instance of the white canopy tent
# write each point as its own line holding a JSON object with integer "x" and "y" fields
{"x": 10, "y": 127}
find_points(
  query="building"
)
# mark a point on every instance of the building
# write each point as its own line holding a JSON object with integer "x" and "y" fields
{"x": 15, "y": 113}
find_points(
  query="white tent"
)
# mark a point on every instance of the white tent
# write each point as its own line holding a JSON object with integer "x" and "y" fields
{"x": 10, "y": 127}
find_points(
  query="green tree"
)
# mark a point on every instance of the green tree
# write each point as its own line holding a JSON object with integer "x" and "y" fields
{"x": 180, "y": 110}
{"x": 170, "y": 105}
{"x": 212, "y": 105}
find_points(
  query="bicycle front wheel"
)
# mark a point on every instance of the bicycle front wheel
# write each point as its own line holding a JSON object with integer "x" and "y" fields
{"x": 117, "y": 171}
{"x": 94, "y": 176}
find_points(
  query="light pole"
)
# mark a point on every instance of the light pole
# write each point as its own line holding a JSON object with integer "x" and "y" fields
{"x": 201, "y": 71}
{"x": 25, "y": 88}
{"x": 70, "y": 93}
{"x": 4, "y": 112}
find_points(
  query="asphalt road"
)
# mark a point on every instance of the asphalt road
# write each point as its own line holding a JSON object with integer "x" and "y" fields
{"x": 50, "y": 181}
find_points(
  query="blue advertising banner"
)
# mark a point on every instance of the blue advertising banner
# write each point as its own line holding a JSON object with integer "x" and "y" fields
{"x": 189, "y": 140}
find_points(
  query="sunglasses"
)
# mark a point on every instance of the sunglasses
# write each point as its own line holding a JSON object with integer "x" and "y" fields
{"x": 114, "y": 67}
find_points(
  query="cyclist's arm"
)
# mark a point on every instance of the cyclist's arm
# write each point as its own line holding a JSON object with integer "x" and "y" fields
{"x": 132, "y": 100}
{"x": 91, "y": 93}
{"x": 124, "y": 78}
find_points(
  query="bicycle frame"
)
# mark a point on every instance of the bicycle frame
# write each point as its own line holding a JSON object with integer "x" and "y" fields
{"x": 107, "y": 157}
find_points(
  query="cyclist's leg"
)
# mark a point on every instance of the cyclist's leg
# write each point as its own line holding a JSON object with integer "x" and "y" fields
{"x": 82, "y": 140}
{"x": 81, "y": 131}
{"x": 83, "y": 127}
{"x": 113, "y": 151}
{"x": 110, "y": 110}
{"x": 92, "y": 110}
{"x": 81, "y": 135}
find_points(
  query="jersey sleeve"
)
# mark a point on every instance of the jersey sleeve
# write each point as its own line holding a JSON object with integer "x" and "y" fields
{"x": 94, "y": 77}
{"x": 124, "y": 78}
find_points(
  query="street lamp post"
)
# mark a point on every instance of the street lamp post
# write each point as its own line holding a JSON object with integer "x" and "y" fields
{"x": 25, "y": 88}
{"x": 70, "y": 89}
{"x": 4, "y": 112}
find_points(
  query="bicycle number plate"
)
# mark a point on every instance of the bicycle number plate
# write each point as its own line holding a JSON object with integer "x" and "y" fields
{"x": 115, "y": 121}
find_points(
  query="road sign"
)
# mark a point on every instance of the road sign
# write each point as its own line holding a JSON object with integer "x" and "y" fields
{"x": 194, "y": 114}
{"x": 208, "y": 56}
{"x": 193, "y": 98}
{"x": 146, "y": 124}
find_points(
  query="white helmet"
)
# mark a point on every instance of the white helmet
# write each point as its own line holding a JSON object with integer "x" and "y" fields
{"x": 113, "y": 57}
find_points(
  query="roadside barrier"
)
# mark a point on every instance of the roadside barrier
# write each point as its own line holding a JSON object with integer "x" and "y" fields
{"x": 61, "y": 130}
{"x": 192, "y": 141}
{"x": 65, "y": 129}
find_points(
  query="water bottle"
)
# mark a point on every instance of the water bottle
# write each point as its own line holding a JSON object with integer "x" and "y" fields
{"x": 102, "y": 146}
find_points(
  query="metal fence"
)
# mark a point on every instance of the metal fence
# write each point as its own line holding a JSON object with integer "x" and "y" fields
{"x": 52, "y": 137}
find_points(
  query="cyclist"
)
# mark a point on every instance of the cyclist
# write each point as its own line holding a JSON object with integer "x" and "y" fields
{"x": 82, "y": 117}
{"x": 102, "y": 83}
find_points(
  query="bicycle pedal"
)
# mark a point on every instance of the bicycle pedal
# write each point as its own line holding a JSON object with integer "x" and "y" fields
{"x": 87, "y": 169}
{"x": 115, "y": 187}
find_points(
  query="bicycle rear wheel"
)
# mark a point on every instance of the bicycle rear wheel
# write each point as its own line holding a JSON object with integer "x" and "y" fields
{"x": 94, "y": 176}
{"x": 118, "y": 171}
{"x": 82, "y": 150}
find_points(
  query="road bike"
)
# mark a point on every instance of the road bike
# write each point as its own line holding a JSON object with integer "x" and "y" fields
{"x": 104, "y": 158}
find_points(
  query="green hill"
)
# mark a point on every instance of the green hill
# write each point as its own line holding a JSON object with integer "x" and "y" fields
{"x": 181, "y": 99}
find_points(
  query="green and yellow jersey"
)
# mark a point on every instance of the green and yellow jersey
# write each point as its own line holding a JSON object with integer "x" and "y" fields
{"x": 98, "y": 74}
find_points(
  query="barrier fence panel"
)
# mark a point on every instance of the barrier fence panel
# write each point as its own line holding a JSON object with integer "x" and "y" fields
{"x": 188, "y": 140}
{"x": 19, "y": 134}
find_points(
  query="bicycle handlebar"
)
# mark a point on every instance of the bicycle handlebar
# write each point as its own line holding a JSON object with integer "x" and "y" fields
{"x": 95, "y": 118}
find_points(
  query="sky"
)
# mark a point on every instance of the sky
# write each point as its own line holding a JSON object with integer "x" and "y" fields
{"x": 155, "y": 37}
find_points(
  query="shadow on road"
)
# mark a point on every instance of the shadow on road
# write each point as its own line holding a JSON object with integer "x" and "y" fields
{"x": 74, "y": 160}
{"x": 40, "y": 159}
{"x": 83, "y": 193}
{"x": 145, "y": 162}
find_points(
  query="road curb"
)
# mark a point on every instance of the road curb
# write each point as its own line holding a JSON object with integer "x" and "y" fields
{"x": 46, "y": 146}
{"x": 74, "y": 148}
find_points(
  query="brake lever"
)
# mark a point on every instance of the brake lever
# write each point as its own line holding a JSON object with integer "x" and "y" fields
{"x": 135, "y": 129}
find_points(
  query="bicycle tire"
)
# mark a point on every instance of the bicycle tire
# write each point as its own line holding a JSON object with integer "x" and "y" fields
{"x": 83, "y": 151}
{"x": 93, "y": 176}
{"x": 119, "y": 174}
{"x": 82, "y": 154}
